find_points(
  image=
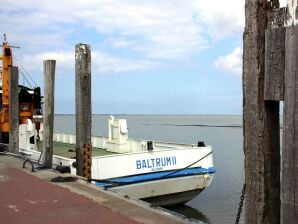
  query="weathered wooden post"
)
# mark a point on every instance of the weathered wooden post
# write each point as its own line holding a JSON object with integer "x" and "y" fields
{"x": 260, "y": 122}
{"x": 289, "y": 187}
{"x": 275, "y": 56}
{"x": 48, "y": 111}
{"x": 13, "y": 93}
{"x": 289, "y": 195}
{"x": 83, "y": 107}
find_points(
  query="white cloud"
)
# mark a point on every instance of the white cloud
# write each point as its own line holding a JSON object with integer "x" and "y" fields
{"x": 64, "y": 61}
{"x": 101, "y": 63}
{"x": 222, "y": 18}
{"x": 231, "y": 62}
{"x": 154, "y": 32}
{"x": 155, "y": 29}
{"x": 107, "y": 64}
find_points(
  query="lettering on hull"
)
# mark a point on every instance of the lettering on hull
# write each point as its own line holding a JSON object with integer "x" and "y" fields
{"x": 156, "y": 164}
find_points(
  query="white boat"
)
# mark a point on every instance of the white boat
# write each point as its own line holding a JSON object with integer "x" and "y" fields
{"x": 163, "y": 174}
{"x": 160, "y": 173}
{"x": 170, "y": 174}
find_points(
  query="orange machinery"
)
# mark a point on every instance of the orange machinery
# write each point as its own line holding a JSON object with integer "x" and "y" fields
{"x": 29, "y": 99}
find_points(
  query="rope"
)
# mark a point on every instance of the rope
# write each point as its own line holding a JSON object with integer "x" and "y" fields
{"x": 25, "y": 73}
{"x": 176, "y": 171}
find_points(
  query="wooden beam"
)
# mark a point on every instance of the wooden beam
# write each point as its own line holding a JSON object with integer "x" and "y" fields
{"x": 289, "y": 189}
{"x": 260, "y": 123}
{"x": 13, "y": 93}
{"x": 83, "y": 103}
{"x": 274, "y": 63}
{"x": 48, "y": 111}
{"x": 275, "y": 54}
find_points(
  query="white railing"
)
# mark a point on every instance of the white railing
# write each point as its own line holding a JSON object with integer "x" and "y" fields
{"x": 133, "y": 145}
{"x": 96, "y": 141}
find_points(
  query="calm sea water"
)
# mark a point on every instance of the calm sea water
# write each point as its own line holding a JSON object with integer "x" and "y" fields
{"x": 218, "y": 203}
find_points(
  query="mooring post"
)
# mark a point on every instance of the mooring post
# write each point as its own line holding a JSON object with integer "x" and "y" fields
{"x": 83, "y": 107}
{"x": 289, "y": 167}
{"x": 48, "y": 111}
{"x": 13, "y": 93}
{"x": 275, "y": 55}
{"x": 260, "y": 122}
{"x": 289, "y": 187}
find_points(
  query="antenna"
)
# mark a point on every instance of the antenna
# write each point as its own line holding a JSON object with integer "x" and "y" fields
{"x": 5, "y": 39}
{"x": 5, "y": 42}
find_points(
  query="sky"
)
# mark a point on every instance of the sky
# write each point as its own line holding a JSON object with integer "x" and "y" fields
{"x": 148, "y": 56}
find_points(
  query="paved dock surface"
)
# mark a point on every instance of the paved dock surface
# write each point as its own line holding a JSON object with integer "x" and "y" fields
{"x": 31, "y": 198}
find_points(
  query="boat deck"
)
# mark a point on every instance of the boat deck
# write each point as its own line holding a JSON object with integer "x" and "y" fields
{"x": 68, "y": 150}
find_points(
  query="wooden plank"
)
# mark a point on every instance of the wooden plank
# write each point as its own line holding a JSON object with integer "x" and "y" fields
{"x": 48, "y": 111}
{"x": 274, "y": 63}
{"x": 260, "y": 124}
{"x": 289, "y": 189}
{"x": 13, "y": 93}
{"x": 83, "y": 103}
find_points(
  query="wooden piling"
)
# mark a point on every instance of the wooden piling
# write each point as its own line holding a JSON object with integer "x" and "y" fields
{"x": 274, "y": 63}
{"x": 289, "y": 189}
{"x": 260, "y": 122}
{"x": 48, "y": 111}
{"x": 13, "y": 93}
{"x": 83, "y": 104}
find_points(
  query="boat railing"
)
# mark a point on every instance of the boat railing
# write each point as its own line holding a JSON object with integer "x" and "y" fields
{"x": 97, "y": 141}
{"x": 133, "y": 144}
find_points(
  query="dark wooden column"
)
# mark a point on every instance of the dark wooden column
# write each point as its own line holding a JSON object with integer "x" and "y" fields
{"x": 260, "y": 122}
{"x": 49, "y": 67}
{"x": 83, "y": 103}
{"x": 13, "y": 93}
{"x": 289, "y": 195}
